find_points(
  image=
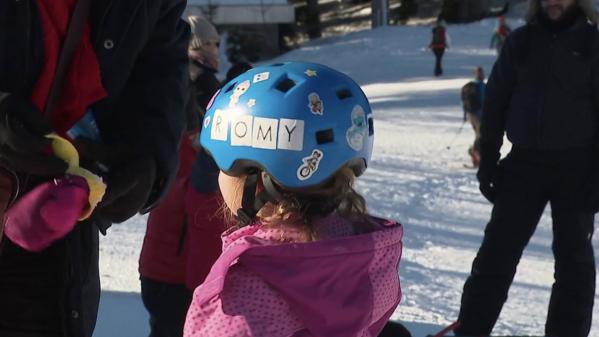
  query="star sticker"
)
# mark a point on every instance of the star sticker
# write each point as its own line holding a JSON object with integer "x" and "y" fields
{"x": 310, "y": 73}
{"x": 251, "y": 102}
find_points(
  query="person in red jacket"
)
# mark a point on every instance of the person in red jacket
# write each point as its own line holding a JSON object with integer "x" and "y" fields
{"x": 439, "y": 42}
{"x": 183, "y": 233}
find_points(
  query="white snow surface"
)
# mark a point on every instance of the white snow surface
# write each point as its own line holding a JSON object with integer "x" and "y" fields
{"x": 416, "y": 177}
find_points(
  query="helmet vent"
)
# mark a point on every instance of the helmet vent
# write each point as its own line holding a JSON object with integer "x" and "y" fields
{"x": 231, "y": 87}
{"x": 370, "y": 126}
{"x": 277, "y": 64}
{"x": 325, "y": 136}
{"x": 343, "y": 94}
{"x": 285, "y": 85}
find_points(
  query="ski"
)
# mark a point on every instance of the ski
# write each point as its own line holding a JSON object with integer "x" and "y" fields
{"x": 453, "y": 326}
{"x": 487, "y": 336}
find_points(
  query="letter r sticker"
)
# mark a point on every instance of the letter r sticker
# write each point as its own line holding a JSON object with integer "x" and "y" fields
{"x": 220, "y": 126}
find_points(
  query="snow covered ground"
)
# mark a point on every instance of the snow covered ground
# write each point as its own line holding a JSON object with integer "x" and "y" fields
{"x": 417, "y": 177}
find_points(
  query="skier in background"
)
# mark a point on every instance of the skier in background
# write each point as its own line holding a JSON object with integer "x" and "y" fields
{"x": 473, "y": 94}
{"x": 439, "y": 42}
{"x": 500, "y": 34}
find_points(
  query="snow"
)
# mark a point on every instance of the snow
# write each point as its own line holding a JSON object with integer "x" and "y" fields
{"x": 416, "y": 176}
{"x": 236, "y": 2}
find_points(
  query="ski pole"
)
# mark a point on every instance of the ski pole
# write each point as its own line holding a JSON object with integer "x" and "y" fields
{"x": 456, "y": 136}
{"x": 446, "y": 330}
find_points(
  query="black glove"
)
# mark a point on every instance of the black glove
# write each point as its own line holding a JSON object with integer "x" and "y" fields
{"x": 488, "y": 171}
{"x": 22, "y": 141}
{"x": 129, "y": 176}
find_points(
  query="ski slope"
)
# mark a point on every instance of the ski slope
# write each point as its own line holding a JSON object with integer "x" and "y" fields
{"x": 416, "y": 177}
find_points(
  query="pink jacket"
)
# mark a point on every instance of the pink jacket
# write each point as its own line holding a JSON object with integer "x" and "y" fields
{"x": 267, "y": 284}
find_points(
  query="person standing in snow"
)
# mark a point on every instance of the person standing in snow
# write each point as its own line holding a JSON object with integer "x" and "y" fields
{"x": 304, "y": 247}
{"x": 438, "y": 44}
{"x": 473, "y": 94}
{"x": 182, "y": 239}
{"x": 127, "y": 81}
{"x": 500, "y": 34}
{"x": 544, "y": 93}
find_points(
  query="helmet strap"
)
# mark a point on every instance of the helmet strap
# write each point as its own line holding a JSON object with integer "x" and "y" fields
{"x": 251, "y": 202}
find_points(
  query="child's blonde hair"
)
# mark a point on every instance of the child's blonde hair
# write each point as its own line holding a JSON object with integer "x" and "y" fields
{"x": 300, "y": 208}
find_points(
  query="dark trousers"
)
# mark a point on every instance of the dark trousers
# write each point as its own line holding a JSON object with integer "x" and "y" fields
{"x": 167, "y": 305}
{"x": 438, "y": 59}
{"x": 528, "y": 181}
{"x": 54, "y": 293}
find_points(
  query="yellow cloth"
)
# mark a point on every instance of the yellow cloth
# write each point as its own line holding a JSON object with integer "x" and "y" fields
{"x": 64, "y": 150}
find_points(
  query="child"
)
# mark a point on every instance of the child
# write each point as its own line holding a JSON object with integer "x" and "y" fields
{"x": 305, "y": 258}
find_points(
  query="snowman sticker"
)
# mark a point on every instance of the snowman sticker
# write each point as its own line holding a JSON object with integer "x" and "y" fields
{"x": 239, "y": 90}
{"x": 357, "y": 132}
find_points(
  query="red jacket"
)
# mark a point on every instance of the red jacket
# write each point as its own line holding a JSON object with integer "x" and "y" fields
{"x": 183, "y": 235}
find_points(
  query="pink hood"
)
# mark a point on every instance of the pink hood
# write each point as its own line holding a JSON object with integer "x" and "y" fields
{"x": 341, "y": 286}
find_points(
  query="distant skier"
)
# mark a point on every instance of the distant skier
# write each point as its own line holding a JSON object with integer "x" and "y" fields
{"x": 473, "y": 94}
{"x": 542, "y": 92}
{"x": 305, "y": 258}
{"x": 500, "y": 34}
{"x": 439, "y": 42}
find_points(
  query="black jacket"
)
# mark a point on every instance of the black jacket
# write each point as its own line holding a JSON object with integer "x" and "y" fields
{"x": 544, "y": 89}
{"x": 204, "y": 172}
{"x": 141, "y": 47}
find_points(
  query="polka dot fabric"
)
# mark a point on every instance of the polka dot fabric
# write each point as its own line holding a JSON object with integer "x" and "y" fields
{"x": 252, "y": 292}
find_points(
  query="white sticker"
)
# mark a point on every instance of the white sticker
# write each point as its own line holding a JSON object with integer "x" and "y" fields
{"x": 239, "y": 90}
{"x": 310, "y": 165}
{"x": 212, "y": 100}
{"x": 310, "y": 72}
{"x": 261, "y": 77}
{"x": 264, "y": 133}
{"x": 251, "y": 103}
{"x": 220, "y": 126}
{"x": 291, "y": 134}
{"x": 206, "y": 121}
{"x": 315, "y": 104}
{"x": 358, "y": 131}
{"x": 241, "y": 130}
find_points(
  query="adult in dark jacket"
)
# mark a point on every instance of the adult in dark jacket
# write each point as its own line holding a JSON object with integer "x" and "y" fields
{"x": 183, "y": 234}
{"x": 136, "y": 53}
{"x": 544, "y": 93}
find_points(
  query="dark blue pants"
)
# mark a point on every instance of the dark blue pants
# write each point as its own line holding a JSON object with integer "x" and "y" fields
{"x": 167, "y": 305}
{"x": 528, "y": 181}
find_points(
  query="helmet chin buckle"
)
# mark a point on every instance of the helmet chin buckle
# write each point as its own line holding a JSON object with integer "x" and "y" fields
{"x": 251, "y": 202}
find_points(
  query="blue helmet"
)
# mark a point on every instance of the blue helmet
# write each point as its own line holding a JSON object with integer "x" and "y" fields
{"x": 299, "y": 122}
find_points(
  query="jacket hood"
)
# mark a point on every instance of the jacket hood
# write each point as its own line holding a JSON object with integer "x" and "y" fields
{"x": 354, "y": 279}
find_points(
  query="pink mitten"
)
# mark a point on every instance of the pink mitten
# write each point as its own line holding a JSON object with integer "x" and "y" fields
{"x": 47, "y": 213}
